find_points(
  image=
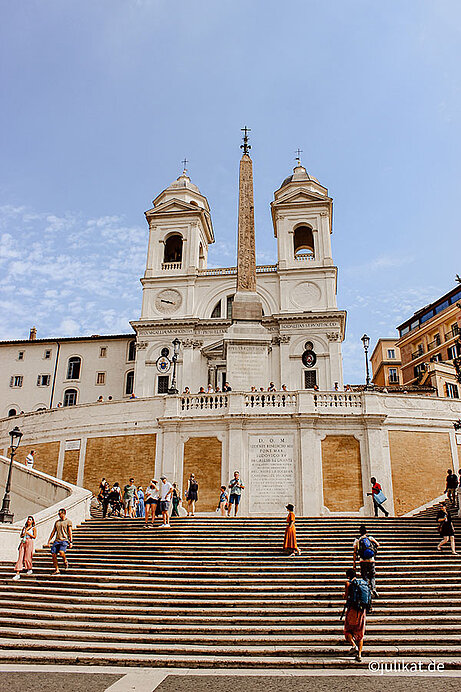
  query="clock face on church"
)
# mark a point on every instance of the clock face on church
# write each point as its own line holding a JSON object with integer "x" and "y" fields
{"x": 168, "y": 301}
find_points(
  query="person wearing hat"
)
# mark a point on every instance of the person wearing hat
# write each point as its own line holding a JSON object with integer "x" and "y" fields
{"x": 289, "y": 544}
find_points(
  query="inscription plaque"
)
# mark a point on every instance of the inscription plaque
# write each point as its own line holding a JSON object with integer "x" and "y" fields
{"x": 272, "y": 473}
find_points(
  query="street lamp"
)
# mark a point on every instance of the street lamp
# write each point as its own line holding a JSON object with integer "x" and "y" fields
{"x": 5, "y": 515}
{"x": 176, "y": 344}
{"x": 366, "y": 342}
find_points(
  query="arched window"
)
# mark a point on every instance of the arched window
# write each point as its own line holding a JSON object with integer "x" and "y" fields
{"x": 303, "y": 242}
{"x": 132, "y": 351}
{"x": 216, "y": 310}
{"x": 70, "y": 397}
{"x": 173, "y": 249}
{"x": 12, "y": 412}
{"x": 73, "y": 368}
{"x": 129, "y": 383}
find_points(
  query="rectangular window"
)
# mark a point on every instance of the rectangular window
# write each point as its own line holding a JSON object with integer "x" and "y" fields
{"x": 437, "y": 358}
{"x": 391, "y": 353}
{"x": 426, "y": 317}
{"x": 47, "y": 354}
{"x": 103, "y": 351}
{"x": 404, "y": 331}
{"x": 454, "y": 351}
{"x": 20, "y": 355}
{"x": 441, "y": 307}
{"x": 452, "y": 390}
{"x": 16, "y": 381}
{"x": 101, "y": 378}
{"x": 310, "y": 379}
{"x": 393, "y": 376}
{"x": 163, "y": 383}
{"x": 43, "y": 380}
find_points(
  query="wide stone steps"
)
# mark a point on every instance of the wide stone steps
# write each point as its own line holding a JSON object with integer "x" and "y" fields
{"x": 219, "y": 592}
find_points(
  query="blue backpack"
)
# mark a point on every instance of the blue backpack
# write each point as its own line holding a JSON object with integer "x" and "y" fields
{"x": 366, "y": 551}
{"x": 359, "y": 594}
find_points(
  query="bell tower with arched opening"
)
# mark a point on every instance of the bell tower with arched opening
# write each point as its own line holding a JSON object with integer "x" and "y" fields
{"x": 180, "y": 231}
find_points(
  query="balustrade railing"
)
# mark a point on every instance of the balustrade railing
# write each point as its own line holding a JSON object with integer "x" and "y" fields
{"x": 270, "y": 400}
{"x": 171, "y": 265}
{"x": 225, "y": 271}
{"x": 210, "y": 402}
{"x": 337, "y": 400}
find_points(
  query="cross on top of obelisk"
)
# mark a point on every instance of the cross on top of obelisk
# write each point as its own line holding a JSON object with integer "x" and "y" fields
{"x": 298, "y": 153}
{"x": 245, "y": 146}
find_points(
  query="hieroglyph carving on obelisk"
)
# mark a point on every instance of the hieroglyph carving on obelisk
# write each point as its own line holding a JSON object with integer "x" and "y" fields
{"x": 246, "y": 253}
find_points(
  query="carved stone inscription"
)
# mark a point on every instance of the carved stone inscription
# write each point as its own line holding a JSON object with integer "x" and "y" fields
{"x": 246, "y": 366}
{"x": 272, "y": 473}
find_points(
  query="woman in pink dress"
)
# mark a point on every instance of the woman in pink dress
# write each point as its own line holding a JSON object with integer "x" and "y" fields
{"x": 26, "y": 548}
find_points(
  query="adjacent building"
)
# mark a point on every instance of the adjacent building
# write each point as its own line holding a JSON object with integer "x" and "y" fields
{"x": 39, "y": 374}
{"x": 429, "y": 345}
{"x": 386, "y": 363}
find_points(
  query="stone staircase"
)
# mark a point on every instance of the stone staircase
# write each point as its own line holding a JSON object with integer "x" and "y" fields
{"x": 214, "y": 592}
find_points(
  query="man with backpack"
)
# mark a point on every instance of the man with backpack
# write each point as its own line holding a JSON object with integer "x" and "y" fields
{"x": 358, "y": 603}
{"x": 365, "y": 548}
{"x": 451, "y": 484}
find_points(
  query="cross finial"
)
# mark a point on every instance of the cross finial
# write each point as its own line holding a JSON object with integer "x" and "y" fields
{"x": 184, "y": 164}
{"x": 245, "y": 146}
{"x": 298, "y": 153}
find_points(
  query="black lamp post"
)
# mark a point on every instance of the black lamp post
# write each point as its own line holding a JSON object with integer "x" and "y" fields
{"x": 176, "y": 344}
{"x": 457, "y": 425}
{"x": 5, "y": 515}
{"x": 366, "y": 342}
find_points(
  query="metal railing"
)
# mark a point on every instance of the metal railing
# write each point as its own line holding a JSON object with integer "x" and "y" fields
{"x": 454, "y": 332}
{"x": 418, "y": 353}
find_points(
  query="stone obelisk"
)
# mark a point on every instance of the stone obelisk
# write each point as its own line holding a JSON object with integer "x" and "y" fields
{"x": 247, "y": 341}
{"x": 247, "y": 305}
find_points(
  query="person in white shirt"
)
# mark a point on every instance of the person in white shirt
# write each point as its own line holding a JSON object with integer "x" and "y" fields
{"x": 30, "y": 459}
{"x": 166, "y": 490}
{"x": 150, "y": 500}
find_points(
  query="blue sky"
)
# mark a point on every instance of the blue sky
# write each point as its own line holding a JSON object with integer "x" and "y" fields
{"x": 102, "y": 99}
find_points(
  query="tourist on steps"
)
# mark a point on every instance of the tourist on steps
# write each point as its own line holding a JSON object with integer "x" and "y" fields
{"x": 236, "y": 488}
{"x": 191, "y": 495}
{"x": 458, "y": 494}
{"x": 445, "y": 527}
{"x": 150, "y": 500}
{"x": 358, "y": 602}
{"x": 166, "y": 490}
{"x": 26, "y": 548}
{"x": 290, "y": 544}
{"x": 223, "y": 504}
{"x": 103, "y": 497}
{"x": 365, "y": 548}
{"x": 175, "y": 500}
{"x": 378, "y": 497}
{"x": 63, "y": 531}
{"x": 451, "y": 484}
{"x": 130, "y": 497}
{"x": 140, "y": 506}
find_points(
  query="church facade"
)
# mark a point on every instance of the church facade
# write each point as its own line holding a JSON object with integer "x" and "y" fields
{"x": 184, "y": 299}
{"x": 306, "y": 440}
